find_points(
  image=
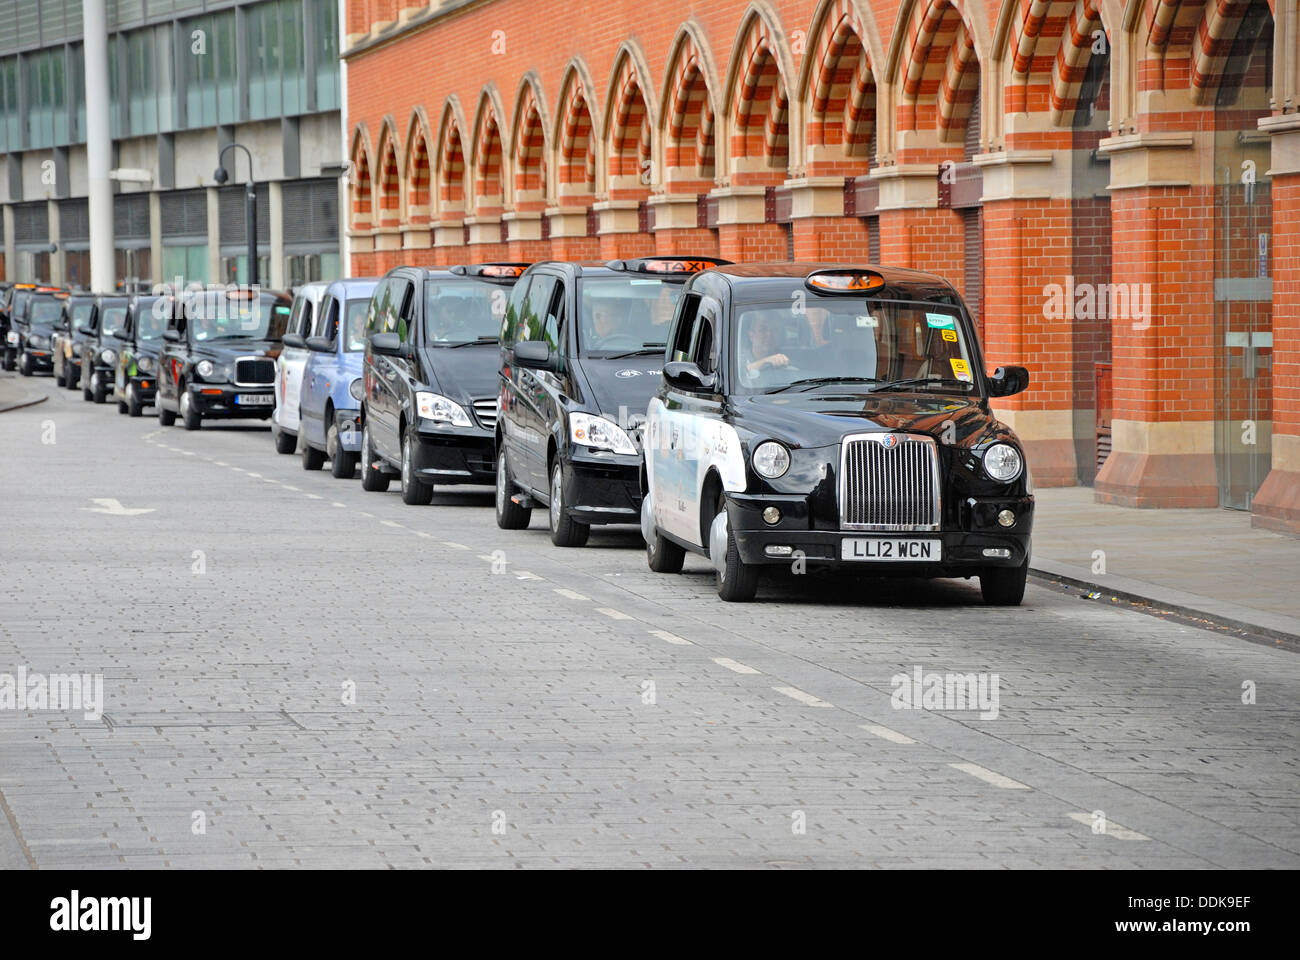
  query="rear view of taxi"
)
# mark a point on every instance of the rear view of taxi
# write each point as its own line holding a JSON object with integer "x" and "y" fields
{"x": 825, "y": 417}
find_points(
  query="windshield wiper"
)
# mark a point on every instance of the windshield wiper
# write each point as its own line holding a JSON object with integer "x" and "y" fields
{"x": 922, "y": 381}
{"x": 491, "y": 338}
{"x": 810, "y": 382}
{"x": 645, "y": 351}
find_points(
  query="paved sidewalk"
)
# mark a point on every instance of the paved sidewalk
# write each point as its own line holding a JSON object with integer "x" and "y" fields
{"x": 1210, "y": 563}
{"x": 17, "y": 391}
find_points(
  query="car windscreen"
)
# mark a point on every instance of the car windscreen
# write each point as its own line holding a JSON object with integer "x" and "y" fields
{"x": 82, "y": 313}
{"x": 151, "y": 318}
{"x": 112, "y": 321}
{"x": 20, "y": 302}
{"x": 619, "y": 315}
{"x": 216, "y": 316}
{"x": 462, "y": 310}
{"x": 830, "y": 342}
{"x": 46, "y": 310}
{"x": 354, "y": 325}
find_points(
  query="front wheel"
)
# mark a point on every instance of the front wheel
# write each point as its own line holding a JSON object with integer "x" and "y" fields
{"x": 99, "y": 393}
{"x": 134, "y": 407}
{"x": 373, "y": 478}
{"x": 165, "y": 417}
{"x": 565, "y": 532}
{"x": 343, "y": 464}
{"x": 415, "y": 492}
{"x": 25, "y": 364}
{"x": 663, "y": 555}
{"x": 1004, "y": 586}
{"x": 737, "y": 581}
{"x": 510, "y": 515}
{"x": 190, "y": 416}
{"x": 61, "y": 378}
{"x": 284, "y": 443}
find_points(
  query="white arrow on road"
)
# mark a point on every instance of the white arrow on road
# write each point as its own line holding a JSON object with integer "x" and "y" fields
{"x": 115, "y": 509}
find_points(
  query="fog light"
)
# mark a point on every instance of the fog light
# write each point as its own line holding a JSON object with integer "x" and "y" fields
{"x": 778, "y": 551}
{"x": 1007, "y": 518}
{"x": 1001, "y": 553}
{"x": 771, "y": 515}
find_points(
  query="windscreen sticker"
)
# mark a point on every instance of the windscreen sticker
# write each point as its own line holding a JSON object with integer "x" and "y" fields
{"x": 950, "y": 335}
{"x": 940, "y": 320}
{"x": 960, "y": 369}
{"x": 868, "y": 321}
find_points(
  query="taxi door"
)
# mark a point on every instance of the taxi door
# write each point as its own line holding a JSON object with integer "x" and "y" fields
{"x": 526, "y": 429}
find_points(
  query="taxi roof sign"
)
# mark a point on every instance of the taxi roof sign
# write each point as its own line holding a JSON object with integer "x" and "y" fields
{"x": 496, "y": 271}
{"x": 667, "y": 265}
{"x": 845, "y": 281}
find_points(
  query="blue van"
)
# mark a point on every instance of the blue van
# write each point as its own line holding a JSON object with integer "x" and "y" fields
{"x": 329, "y": 425}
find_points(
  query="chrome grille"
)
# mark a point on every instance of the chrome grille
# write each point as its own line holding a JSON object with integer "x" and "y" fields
{"x": 889, "y": 481}
{"x": 485, "y": 408}
{"x": 254, "y": 372}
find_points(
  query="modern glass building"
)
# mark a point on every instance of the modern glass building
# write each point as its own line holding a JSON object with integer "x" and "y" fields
{"x": 186, "y": 77}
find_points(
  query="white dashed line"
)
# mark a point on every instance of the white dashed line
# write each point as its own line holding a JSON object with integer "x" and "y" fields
{"x": 989, "y": 776}
{"x": 221, "y": 463}
{"x": 794, "y": 693}
{"x": 525, "y": 575}
{"x": 571, "y": 594}
{"x": 269, "y": 480}
{"x": 489, "y": 559}
{"x": 454, "y": 545}
{"x": 337, "y": 504}
{"x": 613, "y": 614}
{"x": 418, "y": 533}
{"x": 309, "y": 496}
{"x": 389, "y": 523}
{"x": 189, "y": 453}
{"x": 239, "y": 469}
{"x": 671, "y": 638}
{"x": 884, "y": 733}
{"x": 294, "y": 489}
{"x": 1111, "y": 829}
{"x": 734, "y": 666}
{"x": 364, "y": 514}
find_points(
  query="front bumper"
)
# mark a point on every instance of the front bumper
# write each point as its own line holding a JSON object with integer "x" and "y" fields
{"x": 348, "y": 425}
{"x": 602, "y": 487}
{"x": 41, "y": 359}
{"x": 962, "y": 546}
{"x": 221, "y": 401}
{"x": 447, "y": 454}
{"x": 146, "y": 387}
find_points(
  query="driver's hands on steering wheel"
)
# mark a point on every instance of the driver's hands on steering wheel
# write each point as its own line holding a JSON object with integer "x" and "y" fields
{"x": 774, "y": 360}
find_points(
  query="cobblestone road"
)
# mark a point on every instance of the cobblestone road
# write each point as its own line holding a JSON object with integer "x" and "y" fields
{"x": 520, "y": 705}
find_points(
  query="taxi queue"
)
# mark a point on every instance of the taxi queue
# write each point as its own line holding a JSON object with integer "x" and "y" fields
{"x": 817, "y": 418}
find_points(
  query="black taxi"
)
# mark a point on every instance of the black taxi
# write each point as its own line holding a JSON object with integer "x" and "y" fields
{"x": 218, "y": 356}
{"x": 70, "y": 340}
{"x": 14, "y": 302}
{"x": 100, "y": 348}
{"x": 32, "y": 326}
{"x": 820, "y": 416}
{"x": 430, "y": 404}
{"x": 140, "y": 342}
{"x": 581, "y": 351}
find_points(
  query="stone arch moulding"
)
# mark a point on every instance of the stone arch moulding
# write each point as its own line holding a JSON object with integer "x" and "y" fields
{"x": 758, "y": 77}
{"x": 630, "y": 121}
{"x": 418, "y": 169}
{"x": 690, "y": 112}
{"x": 530, "y": 145}
{"x": 491, "y": 148}
{"x": 388, "y": 174}
{"x": 577, "y": 130}
{"x": 449, "y": 170}
{"x": 361, "y": 180}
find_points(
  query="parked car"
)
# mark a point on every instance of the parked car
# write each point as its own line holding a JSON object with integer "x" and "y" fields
{"x": 581, "y": 351}
{"x": 430, "y": 405}
{"x": 15, "y": 299}
{"x": 135, "y": 377}
{"x": 68, "y": 343}
{"x": 851, "y": 432}
{"x": 333, "y": 386}
{"x": 218, "y": 356}
{"x": 33, "y": 325}
{"x": 99, "y": 360}
{"x": 304, "y": 321}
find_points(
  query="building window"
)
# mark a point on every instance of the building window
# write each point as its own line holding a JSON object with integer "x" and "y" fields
{"x": 326, "y": 42}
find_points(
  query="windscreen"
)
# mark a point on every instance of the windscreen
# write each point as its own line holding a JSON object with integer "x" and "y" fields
{"x": 462, "y": 310}
{"x": 625, "y": 314}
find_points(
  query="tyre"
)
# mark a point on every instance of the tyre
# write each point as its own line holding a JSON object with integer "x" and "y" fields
{"x": 134, "y": 407}
{"x": 190, "y": 416}
{"x": 415, "y": 492}
{"x": 121, "y": 406}
{"x": 73, "y": 378}
{"x": 737, "y": 581}
{"x": 1004, "y": 586}
{"x": 61, "y": 377}
{"x": 9, "y": 360}
{"x": 284, "y": 443}
{"x": 165, "y": 417}
{"x": 99, "y": 394}
{"x": 25, "y": 364}
{"x": 85, "y": 388}
{"x": 312, "y": 459}
{"x": 343, "y": 464}
{"x": 373, "y": 477}
{"x": 510, "y": 516}
{"x": 564, "y": 531}
{"x": 663, "y": 555}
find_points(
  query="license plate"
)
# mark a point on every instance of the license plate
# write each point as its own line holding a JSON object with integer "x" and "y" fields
{"x": 254, "y": 399}
{"x": 891, "y": 549}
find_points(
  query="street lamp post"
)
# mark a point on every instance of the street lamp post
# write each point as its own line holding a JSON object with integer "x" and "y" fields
{"x": 250, "y": 205}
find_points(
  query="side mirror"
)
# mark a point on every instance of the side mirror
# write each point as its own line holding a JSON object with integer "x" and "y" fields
{"x": 534, "y": 354}
{"x": 687, "y": 376}
{"x": 294, "y": 340}
{"x": 318, "y": 344}
{"x": 386, "y": 344}
{"x": 85, "y": 330}
{"x": 1007, "y": 381}
{"x": 172, "y": 336}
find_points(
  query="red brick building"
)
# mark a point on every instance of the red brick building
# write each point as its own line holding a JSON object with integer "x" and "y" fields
{"x": 1115, "y": 186}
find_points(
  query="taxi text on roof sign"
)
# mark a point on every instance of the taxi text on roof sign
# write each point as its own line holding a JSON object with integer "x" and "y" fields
{"x": 676, "y": 266}
{"x": 846, "y": 281}
{"x": 502, "y": 270}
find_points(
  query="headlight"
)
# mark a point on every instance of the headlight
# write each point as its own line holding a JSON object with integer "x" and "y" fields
{"x": 771, "y": 459}
{"x": 38, "y": 341}
{"x": 433, "y": 406}
{"x": 76, "y": 349}
{"x": 144, "y": 363}
{"x": 1003, "y": 462}
{"x": 358, "y": 389}
{"x": 599, "y": 433}
{"x": 108, "y": 356}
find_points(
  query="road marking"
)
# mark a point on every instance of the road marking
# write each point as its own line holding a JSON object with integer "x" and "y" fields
{"x": 370, "y": 515}
{"x": 489, "y": 559}
{"x": 525, "y": 575}
{"x": 794, "y": 693}
{"x": 188, "y": 453}
{"x": 309, "y": 496}
{"x": 335, "y": 503}
{"x": 114, "y": 509}
{"x": 269, "y": 480}
{"x": 256, "y": 476}
{"x": 389, "y": 523}
{"x": 238, "y": 469}
{"x": 1112, "y": 829}
{"x": 454, "y": 545}
{"x": 221, "y": 463}
{"x": 989, "y": 776}
{"x": 734, "y": 666}
{"x": 294, "y": 489}
{"x": 671, "y": 638}
{"x": 884, "y": 733}
{"x": 613, "y": 614}
{"x": 418, "y": 533}
{"x": 571, "y": 594}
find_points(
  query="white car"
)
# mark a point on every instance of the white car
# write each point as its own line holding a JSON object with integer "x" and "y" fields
{"x": 305, "y": 321}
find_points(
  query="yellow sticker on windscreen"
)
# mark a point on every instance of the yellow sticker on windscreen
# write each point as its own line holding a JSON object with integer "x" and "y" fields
{"x": 960, "y": 369}
{"x": 950, "y": 335}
